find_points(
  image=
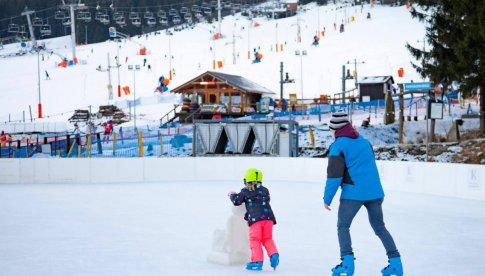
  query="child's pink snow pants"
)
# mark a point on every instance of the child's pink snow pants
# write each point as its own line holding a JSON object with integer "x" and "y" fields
{"x": 261, "y": 233}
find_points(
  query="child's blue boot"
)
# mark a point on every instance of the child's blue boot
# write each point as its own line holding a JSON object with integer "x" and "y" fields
{"x": 275, "y": 260}
{"x": 345, "y": 268}
{"x": 394, "y": 268}
{"x": 254, "y": 266}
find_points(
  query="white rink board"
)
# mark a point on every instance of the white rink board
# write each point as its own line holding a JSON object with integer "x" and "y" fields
{"x": 443, "y": 179}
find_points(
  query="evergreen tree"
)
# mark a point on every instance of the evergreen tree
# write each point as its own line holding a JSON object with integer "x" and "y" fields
{"x": 456, "y": 33}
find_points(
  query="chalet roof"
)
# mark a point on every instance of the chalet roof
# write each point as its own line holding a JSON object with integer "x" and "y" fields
{"x": 375, "y": 79}
{"x": 236, "y": 81}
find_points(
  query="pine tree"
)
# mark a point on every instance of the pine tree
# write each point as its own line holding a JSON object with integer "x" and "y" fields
{"x": 456, "y": 33}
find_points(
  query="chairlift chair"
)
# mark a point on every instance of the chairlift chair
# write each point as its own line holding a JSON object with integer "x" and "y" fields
{"x": 164, "y": 21}
{"x": 87, "y": 16}
{"x": 37, "y": 21}
{"x": 121, "y": 21}
{"x": 198, "y": 14}
{"x": 117, "y": 15}
{"x": 195, "y": 8}
{"x": 98, "y": 15}
{"x": 66, "y": 21}
{"x": 187, "y": 17}
{"x": 13, "y": 28}
{"x": 172, "y": 12}
{"x": 104, "y": 19}
{"x": 162, "y": 13}
{"x": 22, "y": 31}
{"x": 148, "y": 15}
{"x": 151, "y": 22}
{"x": 207, "y": 10}
{"x": 59, "y": 15}
{"x": 176, "y": 19}
{"x": 134, "y": 15}
{"x": 213, "y": 4}
{"x": 184, "y": 10}
{"x": 136, "y": 22}
{"x": 45, "y": 29}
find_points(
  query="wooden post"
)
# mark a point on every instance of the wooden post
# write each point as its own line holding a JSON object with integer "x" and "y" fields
{"x": 114, "y": 143}
{"x": 140, "y": 144}
{"x": 88, "y": 146}
{"x": 401, "y": 118}
{"x": 312, "y": 137}
{"x": 432, "y": 130}
{"x": 79, "y": 148}
{"x": 98, "y": 140}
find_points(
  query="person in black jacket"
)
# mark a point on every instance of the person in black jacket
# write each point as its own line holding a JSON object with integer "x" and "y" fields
{"x": 260, "y": 218}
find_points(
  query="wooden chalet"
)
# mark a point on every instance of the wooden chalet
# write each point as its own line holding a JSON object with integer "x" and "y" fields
{"x": 217, "y": 95}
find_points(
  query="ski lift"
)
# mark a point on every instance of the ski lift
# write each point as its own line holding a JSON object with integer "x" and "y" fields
{"x": 148, "y": 15}
{"x": 66, "y": 21}
{"x": 195, "y": 8}
{"x": 87, "y": 16}
{"x": 237, "y": 6}
{"x": 117, "y": 15}
{"x": 104, "y": 19}
{"x": 207, "y": 10}
{"x": 45, "y": 29}
{"x": 151, "y": 22}
{"x": 198, "y": 14}
{"x": 213, "y": 4}
{"x": 136, "y": 22}
{"x": 37, "y": 22}
{"x": 176, "y": 19}
{"x": 227, "y": 5}
{"x": 162, "y": 13}
{"x": 134, "y": 15}
{"x": 164, "y": 21}
{"x": 172, "y": 12}
{"x": 121, "y": 21}
{"x": 184, "y": 10}
{"x": 59, "y": 15}
{"x": 98, "y": 15}
{"x": 187, "y": 17}
{"x": 22, "y": 31}
{"x": 13, "y": 28}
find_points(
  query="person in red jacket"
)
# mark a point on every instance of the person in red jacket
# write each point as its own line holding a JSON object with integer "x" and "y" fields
{"x": 108, "y": 129}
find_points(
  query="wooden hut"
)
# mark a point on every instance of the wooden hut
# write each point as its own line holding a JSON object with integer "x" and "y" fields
{"x": 216, "y": 95}
{"x": 375, "y": 87}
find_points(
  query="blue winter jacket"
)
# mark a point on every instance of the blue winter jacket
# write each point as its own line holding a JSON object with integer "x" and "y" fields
{"x": 352, "y": 166}
{"x": 257, "y": 204}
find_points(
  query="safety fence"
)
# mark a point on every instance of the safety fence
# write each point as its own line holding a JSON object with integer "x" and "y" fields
{"x": 116, "y": 144}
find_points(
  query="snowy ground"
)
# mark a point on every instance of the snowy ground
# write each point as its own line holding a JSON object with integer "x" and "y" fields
{"x": 166, "y": 229}
{"x": 379, "y": 42}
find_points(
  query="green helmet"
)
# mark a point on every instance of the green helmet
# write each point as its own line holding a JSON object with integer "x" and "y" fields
{"x": 253, "y": 175}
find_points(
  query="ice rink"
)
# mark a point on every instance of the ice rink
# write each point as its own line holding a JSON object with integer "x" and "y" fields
{"x": 166, "y": 229}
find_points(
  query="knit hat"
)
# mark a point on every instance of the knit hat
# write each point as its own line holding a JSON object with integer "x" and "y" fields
{"x": 339, "y": 120}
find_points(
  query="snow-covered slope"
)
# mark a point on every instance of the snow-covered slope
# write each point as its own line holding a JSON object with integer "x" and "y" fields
{"x": 379, "y": 42}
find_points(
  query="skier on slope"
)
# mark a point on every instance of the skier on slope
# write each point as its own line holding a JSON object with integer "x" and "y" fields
{"x": 260, "y": 218}
{"x": 352, "y": 166}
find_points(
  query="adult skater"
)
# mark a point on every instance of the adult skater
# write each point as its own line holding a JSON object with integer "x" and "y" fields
{"x": 352, "y": 166}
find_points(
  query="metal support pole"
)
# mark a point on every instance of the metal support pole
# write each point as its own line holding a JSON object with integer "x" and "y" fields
{"x": 134, "y": 99}
{"x": 281, "y": 82}
{"x": 110, "y": 89}
{"x": 118, "y": 66}
{"x": 343, "y": 83}
{"x": 73, "y": 32}
{"x": 38, "y": 85}
{"x": 219, "y": 15}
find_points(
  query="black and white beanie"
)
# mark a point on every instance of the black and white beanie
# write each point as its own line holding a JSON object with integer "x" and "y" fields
{"x": 339, "y": 120}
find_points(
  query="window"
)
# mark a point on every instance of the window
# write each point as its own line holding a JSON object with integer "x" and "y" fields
{"x": 236, "y": 99}
{"x": 224, "y": 98}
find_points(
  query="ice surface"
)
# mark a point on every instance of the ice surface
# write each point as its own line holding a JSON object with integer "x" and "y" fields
{"x": 167, "y": 228}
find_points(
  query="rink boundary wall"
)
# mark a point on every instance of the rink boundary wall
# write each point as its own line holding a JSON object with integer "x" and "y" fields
{"x": 443, "y": 179}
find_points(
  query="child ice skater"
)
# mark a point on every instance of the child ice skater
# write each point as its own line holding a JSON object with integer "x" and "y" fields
{"x": 260, "y": 219}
